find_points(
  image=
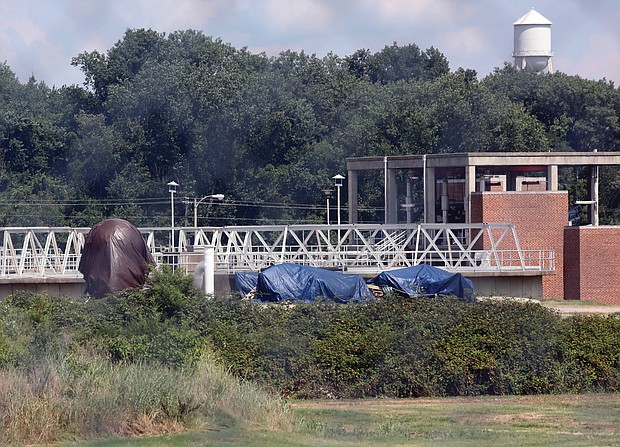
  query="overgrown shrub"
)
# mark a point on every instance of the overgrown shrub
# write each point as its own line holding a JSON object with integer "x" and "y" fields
{"x": 31, "y": 325}
{"x": 589, "y": 353}
{"x": 134, "y": 363}
{"x": 157, "y": 325}
{"x": 398, "y": 347}
{"x": 394, "y": 347}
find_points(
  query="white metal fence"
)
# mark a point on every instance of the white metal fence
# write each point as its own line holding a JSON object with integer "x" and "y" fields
{"x": 360, "y": 248}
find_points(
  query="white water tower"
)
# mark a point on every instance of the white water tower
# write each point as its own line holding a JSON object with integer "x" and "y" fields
{"x": 532, "y": 46}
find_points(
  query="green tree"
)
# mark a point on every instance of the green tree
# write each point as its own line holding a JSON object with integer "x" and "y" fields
{"x": 31, "y": 200}
{"x": 578, "y": 114}
{"x": 398, "y": 63}
{"x": 95, "y": 157}
{"x": 122, "y": 62}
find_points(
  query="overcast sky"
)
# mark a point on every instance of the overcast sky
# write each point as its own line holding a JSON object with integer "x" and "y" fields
{"x": 41, "y": 36}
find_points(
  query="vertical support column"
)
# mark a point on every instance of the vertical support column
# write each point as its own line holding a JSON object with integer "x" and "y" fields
{"x": 445, "y": 204}
{"x": 552, "y": 178}
{"x": 511, "y": 181}
{"x": 470, "y": 186}
{"x": 594, "y": 195}
{"x": 209, "y": 279}
{"x": 391, "y": 197}
{"x": 352, "y": 185}
{"x": 408, "y": 201}
{"x": 550, "y": 65}
{"x": 429, "y": 195}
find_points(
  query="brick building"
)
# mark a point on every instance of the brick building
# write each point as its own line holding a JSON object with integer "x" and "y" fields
{"x": 517, "y": 188}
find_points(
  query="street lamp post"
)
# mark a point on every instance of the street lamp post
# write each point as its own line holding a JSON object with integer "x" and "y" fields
{"x": 328, "y": 194}
{"x": 172, "y": 188}
{"x": 198, "y": 202}
{"x": 338, "y": 183}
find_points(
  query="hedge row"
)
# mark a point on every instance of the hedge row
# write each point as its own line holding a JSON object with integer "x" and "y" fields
{"x": 394, "y": 347}
{"x": 407, "y": 348}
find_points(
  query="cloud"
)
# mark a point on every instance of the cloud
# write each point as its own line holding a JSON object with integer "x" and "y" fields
{"x": 173, "y": 15}
{"x": 422, "y": 11}
{"x": 602, "y": 59}
{"x": 26, "y": 44}
{"x": 45, "y": 34}
{"x": 468, "y": 41}
{"x": 296, "y": 16}
{"x": 19, "y": 33}
{"x": 28, "y": 32}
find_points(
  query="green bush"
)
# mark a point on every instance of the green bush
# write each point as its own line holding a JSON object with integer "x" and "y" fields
{"x": 398, "y": 347}
{"x": 156, "y": 325}
{"x": 28, "y": 327}
{"x": 16, "y": 336}
{"x": 394, "y": 347}
{"x": 590, "y": 353}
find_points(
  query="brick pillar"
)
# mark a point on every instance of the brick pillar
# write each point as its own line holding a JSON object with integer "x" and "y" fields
{"x": 539, "y": 218}
{"x": 592, "y": 264}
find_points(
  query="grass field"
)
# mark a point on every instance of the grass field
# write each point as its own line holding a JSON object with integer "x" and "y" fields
{"x": 567, "y": 420}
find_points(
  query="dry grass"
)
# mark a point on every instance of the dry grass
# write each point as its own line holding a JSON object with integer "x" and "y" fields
{"x": 68, "y": 398}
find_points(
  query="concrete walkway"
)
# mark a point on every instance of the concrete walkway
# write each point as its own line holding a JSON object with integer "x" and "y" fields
{"x": 567, "y": 307}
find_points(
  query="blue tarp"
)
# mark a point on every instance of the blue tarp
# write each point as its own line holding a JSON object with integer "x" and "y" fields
{"x": 425, "y": 279}
{"x": 246, "y": 281}
{"x": 293, "y": 282}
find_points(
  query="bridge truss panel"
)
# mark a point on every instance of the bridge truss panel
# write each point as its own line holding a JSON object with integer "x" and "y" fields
{"x": 356, "y": 248}
{"x": 41, "y": 252}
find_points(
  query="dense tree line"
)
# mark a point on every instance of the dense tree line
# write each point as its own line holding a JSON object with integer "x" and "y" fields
{"x": 268, "y": 132}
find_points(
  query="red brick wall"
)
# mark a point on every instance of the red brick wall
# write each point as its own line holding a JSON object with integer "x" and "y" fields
{"x": 539, "y": 218}
{"x": 592, "y": 264}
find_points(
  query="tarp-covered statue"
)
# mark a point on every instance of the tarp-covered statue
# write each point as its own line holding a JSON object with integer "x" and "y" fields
{"x": 293, "y": 282}
{"x": 115, "y": 257}
{"x": 424, "y": 279}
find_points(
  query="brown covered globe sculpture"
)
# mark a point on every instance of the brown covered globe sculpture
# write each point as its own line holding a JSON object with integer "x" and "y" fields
{"x": 115, "y": 257}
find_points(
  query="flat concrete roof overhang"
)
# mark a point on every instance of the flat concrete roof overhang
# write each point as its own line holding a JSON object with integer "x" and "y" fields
{"x": 504, "y": 159}
{"x": 468, "y": 166}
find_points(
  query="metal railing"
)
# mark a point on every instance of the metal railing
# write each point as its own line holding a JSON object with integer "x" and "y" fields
{"x": 41, "y": 251}
{"x": 360, "y": 248}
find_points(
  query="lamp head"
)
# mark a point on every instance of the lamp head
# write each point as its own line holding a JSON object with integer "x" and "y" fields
{"x": 172, "y": 186}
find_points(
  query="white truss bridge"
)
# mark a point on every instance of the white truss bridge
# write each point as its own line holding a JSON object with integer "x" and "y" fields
{"x": 357, "y": 248}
